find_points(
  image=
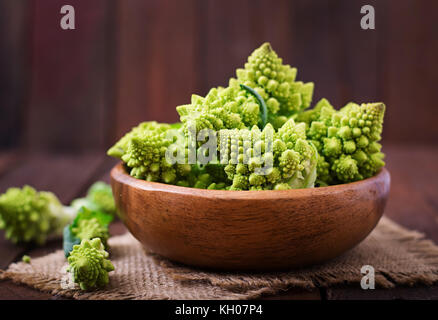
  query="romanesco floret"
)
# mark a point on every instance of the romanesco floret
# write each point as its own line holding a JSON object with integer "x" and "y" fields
{"x": 347, "y": 140}
{"x": 234, "y": 108}
{"x": 275, "y": 82}
{"x": 222, "y": 108}
{"x": 336, "y": 146}
{"x": 144, "y": 152}
{"x": 31, "y": 216}
{"x": 101, "y": 194}
{"x": 99, "y": 198}
{"x": 89, "y": 265}
{"x": 119, "y": 149}
{"x": 289, "y": 163}
{"x": 88, "y": 229}
{"x": 88, "y": 224}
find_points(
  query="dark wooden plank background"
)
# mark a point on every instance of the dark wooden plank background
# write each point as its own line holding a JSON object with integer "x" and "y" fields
{"x": 135, "y": 60}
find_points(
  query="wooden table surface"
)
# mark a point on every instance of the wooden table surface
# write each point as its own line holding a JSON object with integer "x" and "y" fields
{"x": 413, "y": 203}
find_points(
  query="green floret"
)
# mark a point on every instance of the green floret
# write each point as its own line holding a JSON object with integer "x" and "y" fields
{"x": 347, "y": 140}
{"x": 91, "y": 228}
{"x": 99, "y": 198}
{"x": 264, "y": 99}
{"x": 275, "y": 82}
{"x": 30, "y": 216}
{"x": 26, "y": 259}
{"x": 101, "y": 194}
{"x": 222, "y": 108}
{"x": 120, "y": 148}
{"x": 89, "y": 265}
{"x": 250, "y": 165}
{"x": 144, "y": 151}
{"x": 234, "y": 107}
{"x": 88, "y": 224}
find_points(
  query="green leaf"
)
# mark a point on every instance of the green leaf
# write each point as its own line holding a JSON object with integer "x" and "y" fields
{"x": 69, "y": 240}
{"x": 84, "y": 202}
{"x": 85, "y": 213}
{"x": 176, "y": 125}
{"x": 262, "y": 103}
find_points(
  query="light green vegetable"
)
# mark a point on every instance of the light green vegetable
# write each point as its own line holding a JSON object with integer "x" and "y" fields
{"x": 275, "y": 82}
{"x": 87, "y": 225}
{"x": 99, "y": 198}
{"x": 91, "y": 228}
{"x": 27, "y": 215}
{"x": 89, "y": 264}
{"x": 347, "y": 140}
{"x": 144, "y": 152}
{"x": 321, "y": 144}
{"x": 234, "y": 107}
{"x": 222, "y": 108}
{"x": 290, "y": 164}
{"x": 26, "y": 259}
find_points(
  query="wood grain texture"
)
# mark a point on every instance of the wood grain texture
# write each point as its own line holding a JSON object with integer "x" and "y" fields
{"x": 62, "y": 174}
{"x": 130, "y": 61}
{"x": 356, "y": 52}
{"x": 249, "y": 230}
{"x": 411, "y": 48}
{"x": 12, "y": 291}
{"x": 413, "y": 201}
{"x": 68, "y": 103}
{"x": 15, "y": 59}
{"x": 156, "y": 69}
{"x": 8, "y": 161}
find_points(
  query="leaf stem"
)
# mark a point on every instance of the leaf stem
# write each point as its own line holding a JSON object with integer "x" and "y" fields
{"x": 262, "y": 104}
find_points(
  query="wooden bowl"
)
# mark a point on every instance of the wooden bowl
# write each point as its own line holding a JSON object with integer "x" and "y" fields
{"x": 249, "y": 230}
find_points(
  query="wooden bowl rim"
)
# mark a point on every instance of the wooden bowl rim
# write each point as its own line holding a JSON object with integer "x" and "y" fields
{"x": 119, "y": 174}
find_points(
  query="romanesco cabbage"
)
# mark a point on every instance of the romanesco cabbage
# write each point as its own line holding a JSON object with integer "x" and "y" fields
{"x": 99, "y": 198}
{"x": 91, "y": 228}
{"x": 88, "y": 224}
{"x": 222, "y": 108}
{"x": 275, "y": 82}
{"x": 234, "y": 108}
{"x": 31, "y": 216}
{"x": 89, "y": 264}
{"x": 290, "y": 163}
{"x": 321, "y": 144}
{"x": 347, "y": 140}
{"x": 27, "y": 215}
{"x": 144, "y": 152}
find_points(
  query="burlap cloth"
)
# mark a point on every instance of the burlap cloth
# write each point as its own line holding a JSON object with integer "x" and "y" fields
{"x": 400, "y": 257}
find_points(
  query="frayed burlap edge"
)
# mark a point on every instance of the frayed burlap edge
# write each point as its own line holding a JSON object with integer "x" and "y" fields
{"x": 182, "y": 282}
{"x": 51, "y": 286}
{"x": 421, "y": 249}
{"x": 136, "y": 276}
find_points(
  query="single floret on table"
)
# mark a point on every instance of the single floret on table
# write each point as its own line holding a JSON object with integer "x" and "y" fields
{"x": 27, "y": 215}
{"x": 89, "y": 264}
